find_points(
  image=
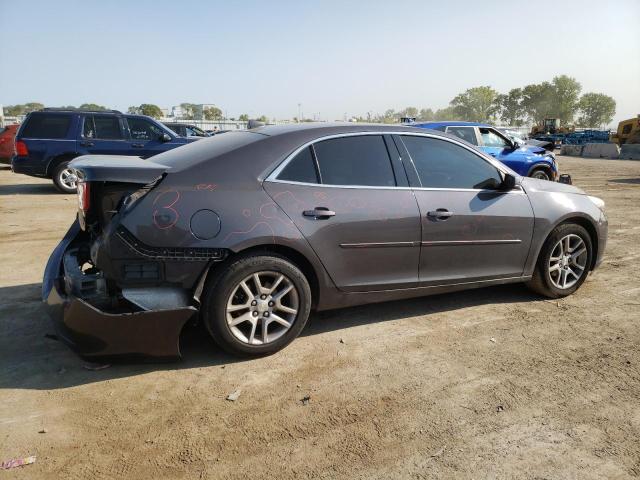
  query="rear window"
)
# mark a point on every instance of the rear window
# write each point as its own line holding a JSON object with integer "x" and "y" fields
{"x": 203, "y": 150}
{"x": 46, "y": 126}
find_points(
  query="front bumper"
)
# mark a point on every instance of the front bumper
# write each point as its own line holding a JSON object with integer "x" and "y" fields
{"x": 94, "y": 330}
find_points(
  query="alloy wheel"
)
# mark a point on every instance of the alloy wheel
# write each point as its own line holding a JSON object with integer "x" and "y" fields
{"x": 568, "y": 261}
{"x": 68, "y": 178}
{"x": 262, "y": 308}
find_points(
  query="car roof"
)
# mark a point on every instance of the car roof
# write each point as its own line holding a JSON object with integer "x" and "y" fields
{"x": 319, "y": 128}
{"x": 450, "y": 123}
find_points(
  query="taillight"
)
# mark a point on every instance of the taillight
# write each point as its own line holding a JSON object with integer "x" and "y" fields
{"x": 84, "y": 196}
{"x": 21, "y": 149}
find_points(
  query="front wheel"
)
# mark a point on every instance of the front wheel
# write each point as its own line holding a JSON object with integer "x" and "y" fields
{"x": 257, "y": 305}
{"x": 540, "y": 174}
{"x": 64, "y": 178}
{"x": 564, "y": 262}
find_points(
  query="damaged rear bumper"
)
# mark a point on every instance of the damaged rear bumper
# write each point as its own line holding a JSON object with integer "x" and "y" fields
{"x": 97, "y": 328}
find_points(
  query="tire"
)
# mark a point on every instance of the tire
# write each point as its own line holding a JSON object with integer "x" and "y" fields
{"x": 540, "y": 174}
{"x": 547, "y": 279}
{"x": 230, "y": 311}
{"x": 62, "y": 180}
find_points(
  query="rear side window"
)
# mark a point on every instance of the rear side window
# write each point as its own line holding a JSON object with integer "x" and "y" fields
{"x": 102, "y": 127}
{"x": 47, "y": 126}
{"x": 465, "y": 133}
{"x": 301, "y": 169}
{"x": 358, "y": 160}
{"x": 442, "y": 164}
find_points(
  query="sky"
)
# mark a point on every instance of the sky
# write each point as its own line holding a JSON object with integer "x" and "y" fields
{"x": 334, "y": 58}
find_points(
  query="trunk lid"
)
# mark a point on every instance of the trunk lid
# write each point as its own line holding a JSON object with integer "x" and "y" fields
{"x": 117, "y": 168}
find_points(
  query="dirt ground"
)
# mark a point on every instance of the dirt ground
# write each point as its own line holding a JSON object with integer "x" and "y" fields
{"x": 492, "y": 383}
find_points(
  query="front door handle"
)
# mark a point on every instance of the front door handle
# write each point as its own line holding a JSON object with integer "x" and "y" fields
{"x": 319, "y": 213}
{"x": 137, "y": 145}
{"x": 86, "y": 144}
{"x": 440, "y": 214}
{"x": 493, "y": 154}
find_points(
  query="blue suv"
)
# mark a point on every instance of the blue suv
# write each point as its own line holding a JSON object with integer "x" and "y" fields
{"x": 49, "y": 139}
{"x": 527, "y": 160}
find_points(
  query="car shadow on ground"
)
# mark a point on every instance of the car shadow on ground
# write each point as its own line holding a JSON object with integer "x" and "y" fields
{"x": 32, "y": 359}
{"x": 632, "y": 181}
{"x": 29, "y": 189}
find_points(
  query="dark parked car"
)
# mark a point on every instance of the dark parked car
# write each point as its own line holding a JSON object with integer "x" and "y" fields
{"x": 49, "y": 139}
{"x": 527, "y": 160}
{"x": 251, "y": 230}
{"x": 7, "y": 143}
{"x": 186, "y": 130}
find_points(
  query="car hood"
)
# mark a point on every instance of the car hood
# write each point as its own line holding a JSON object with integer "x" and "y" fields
{"x": 536, "y": 185}
{"x": 532, "y": 149}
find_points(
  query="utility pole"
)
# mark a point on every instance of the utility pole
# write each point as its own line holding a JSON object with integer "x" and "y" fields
{"x": 299, "y": 112}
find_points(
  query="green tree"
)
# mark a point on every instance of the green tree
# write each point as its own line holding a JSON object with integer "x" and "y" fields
{"x": 212, "y": 113}
{"x": 150, "y": 110}
{"x": 188, "y": 110}
{"x": 411, "y": 112}
{"x": 22, "y": 109}
{"x": 133, "y": 110}
{"x": 92, "y": 106}
{"x": 243, "y": 118}
{"x": 477, "y": 104}
{"x": 511, "y": 110}
{"x": 566, "y": 94}
{"x": 596, "y": 109}
{"x": 264, "y": 119}
{"x": 448, "y": 113}
{"x": 426, "y": 115}
{"x": 537, "y": 101}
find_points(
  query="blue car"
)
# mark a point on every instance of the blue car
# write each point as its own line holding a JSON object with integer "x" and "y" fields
{"x": 50, "y": 138}
{"x": 527, "y": 160}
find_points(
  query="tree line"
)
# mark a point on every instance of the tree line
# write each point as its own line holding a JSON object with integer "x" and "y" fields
{"x": 190, "y": 111}
{"x": 559, "y": 98}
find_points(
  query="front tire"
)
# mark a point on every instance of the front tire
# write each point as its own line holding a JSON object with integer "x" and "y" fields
{"x": 564, "y": 262}
{"x": 540, "y": 174}
{"x": 64, "y": 178}
{"x": 256, "y": 305}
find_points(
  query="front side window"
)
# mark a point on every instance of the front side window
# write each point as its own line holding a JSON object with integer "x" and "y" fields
{"x": 492, "y": 139}
{"x": 358, "y": 160}
{"x": 143, "y": 129}
{"x": 443, "y": 164}
{"x": 44, "y": 125}
{"x": 301, "y": 168}
{"x": 465, "y": 133}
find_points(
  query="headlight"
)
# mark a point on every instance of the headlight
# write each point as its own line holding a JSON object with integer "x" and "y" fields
{"x": 597, "y": 201}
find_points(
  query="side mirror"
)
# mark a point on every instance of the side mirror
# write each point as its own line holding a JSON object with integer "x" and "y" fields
{"x": 165, "y": 137}
{"x": 515, "y": 146}
{"x": 508, "y": 183}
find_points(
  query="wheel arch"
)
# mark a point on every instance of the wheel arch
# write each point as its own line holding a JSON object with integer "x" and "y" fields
{"x": 590, "y": 227}
{"x": 57, "y": 160}
{"x": 291, "y": 254}
{"x": 540, "y": 166}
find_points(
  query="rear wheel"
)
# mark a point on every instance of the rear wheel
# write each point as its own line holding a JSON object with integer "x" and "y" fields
{"x": 257, "y": 305}
{"x": 564, "y": 261}
{"x": 64, "y": 178}
{"x": 540, "y": 174}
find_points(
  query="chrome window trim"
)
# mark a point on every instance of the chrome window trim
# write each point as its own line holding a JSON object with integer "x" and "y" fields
{"x": 272, "y": 177}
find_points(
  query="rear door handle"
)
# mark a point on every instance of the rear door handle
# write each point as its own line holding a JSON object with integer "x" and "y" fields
{"x": 86, "y": 144}
{"x": 319, "y": 213}
{"x": 440, "y": 214}
{"x": 137, "y": 145}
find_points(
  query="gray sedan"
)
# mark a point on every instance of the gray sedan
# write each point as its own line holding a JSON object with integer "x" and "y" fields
{"x": 249, "y": 231}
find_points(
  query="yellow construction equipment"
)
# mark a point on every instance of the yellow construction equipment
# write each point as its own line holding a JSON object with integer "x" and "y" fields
{"x": 628, "y": 132}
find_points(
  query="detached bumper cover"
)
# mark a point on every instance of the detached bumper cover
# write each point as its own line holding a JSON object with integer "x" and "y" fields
{"x": 96, "y": 333}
